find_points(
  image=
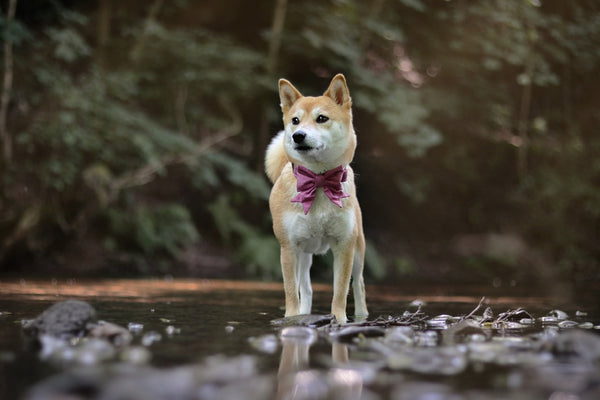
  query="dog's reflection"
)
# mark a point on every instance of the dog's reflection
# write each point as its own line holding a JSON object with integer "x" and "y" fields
{"x": 297, "y": 381}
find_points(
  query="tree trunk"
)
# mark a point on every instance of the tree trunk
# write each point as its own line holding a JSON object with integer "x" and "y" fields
{"x": 5, "y": 137}
{"x": 261, "y": 139}
{"x": 103, "y": 30}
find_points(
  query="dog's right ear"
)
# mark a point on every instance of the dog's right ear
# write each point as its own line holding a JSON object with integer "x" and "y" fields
{"x": 288, "y": 95}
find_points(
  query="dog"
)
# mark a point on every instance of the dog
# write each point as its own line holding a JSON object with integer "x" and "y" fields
{"x": 313, "y": 200}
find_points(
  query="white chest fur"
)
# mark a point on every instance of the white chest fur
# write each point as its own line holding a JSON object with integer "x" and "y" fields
{"x": 324, "y": 226}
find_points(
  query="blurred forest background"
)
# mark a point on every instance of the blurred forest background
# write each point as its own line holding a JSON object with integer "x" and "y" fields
{"x": 133, "y": 134}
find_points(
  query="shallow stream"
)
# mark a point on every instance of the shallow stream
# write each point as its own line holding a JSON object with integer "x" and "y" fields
{"x": 210, "y": 339}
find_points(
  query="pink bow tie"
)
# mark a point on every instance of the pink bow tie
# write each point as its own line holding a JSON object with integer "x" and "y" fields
{"x": 309, "y": 182}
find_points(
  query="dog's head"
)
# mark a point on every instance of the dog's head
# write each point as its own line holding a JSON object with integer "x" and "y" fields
{"x": 318, "y": 130}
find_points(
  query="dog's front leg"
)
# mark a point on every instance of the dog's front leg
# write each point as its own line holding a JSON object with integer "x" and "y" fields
{"x": 342, "y": 270}
{"x": 290, "y": 284}
{"x": 304, "y": 261}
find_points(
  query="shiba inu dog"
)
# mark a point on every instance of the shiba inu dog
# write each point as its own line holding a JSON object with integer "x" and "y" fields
{"x": 313, "y": 201}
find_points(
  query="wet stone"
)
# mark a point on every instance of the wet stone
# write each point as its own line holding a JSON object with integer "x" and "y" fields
{"x": 575, "y": 345}
{"x": 266, "y": 343}
{"x": 150, "y": 338}
{"x": 558, "y": 314}
{"x": 567, "y": 324}
{"x": 136, "y": 355}
{"x": 435, "y": 361}
{"x": 115, "y": 334}
{"x": 311, "y": 320}
{"x": 424, "y": 391}
{"x": 135, "y": 327}
{"x": 299, "y": 334}
{"x": 403, "y": 335}
{"x": 441, "y": 321}
{"x": 172, "y": 330}
{"x": 65, "y": 319}
{"x": 350, "y": 332}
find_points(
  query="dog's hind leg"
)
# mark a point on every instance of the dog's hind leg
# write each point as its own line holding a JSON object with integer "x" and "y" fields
{"x": 358, "y": 283}
{"x": 303, "y": 264}
{"x": 342, "y": 271}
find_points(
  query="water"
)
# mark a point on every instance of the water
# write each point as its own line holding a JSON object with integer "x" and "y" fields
{"x": 226, "y": 327}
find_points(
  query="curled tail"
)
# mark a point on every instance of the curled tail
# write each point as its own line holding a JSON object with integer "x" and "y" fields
{"x": 276, "y": 157}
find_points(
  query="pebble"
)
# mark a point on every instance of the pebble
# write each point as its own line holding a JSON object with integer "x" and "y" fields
{"x": 567, "y": 324}
{"x": 171, "y": 330}
{"x": 136, "y": 355}
{"x": 135, "y": 327}
{"x": 150, "y": 338}
{"x": 558, "y": 314}
{"x": 265, "y": 343}
{"x": 440, "y": 321}
{"x": 115, "y": 334}
{"x": 404, "y": 335}
{"x": 417, "y": 303}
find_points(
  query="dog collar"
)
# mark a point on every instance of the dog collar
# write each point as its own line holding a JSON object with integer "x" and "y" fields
{"x": 308, "y": 182}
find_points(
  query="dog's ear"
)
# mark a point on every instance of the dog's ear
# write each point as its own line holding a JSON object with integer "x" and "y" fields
{"x": 288, "y": 95}
{"x": 338, "y": 91}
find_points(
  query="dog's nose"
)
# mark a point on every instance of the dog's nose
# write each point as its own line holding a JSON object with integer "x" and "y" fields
{"x": 298, "y": 137}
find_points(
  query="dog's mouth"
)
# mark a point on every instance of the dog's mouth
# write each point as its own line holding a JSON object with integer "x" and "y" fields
{"x": 303, "y": 148}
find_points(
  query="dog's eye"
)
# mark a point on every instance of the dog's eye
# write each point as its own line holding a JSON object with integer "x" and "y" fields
{"x": 321, "y": 119}
{"x": 295, "y": 120}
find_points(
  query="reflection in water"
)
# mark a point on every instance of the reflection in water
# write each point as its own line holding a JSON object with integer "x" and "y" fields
{"x": 297, "y": 381}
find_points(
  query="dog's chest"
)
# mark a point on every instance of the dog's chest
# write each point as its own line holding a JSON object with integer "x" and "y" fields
{"x": 325, "y": 225}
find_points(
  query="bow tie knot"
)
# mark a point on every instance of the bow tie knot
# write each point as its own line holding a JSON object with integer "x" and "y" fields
{"x": 308, "y": 182}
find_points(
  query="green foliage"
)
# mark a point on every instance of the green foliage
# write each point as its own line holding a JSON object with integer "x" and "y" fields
{"x": 259, "y": 251}
{"x": 236, "y": 172}
{"x": 365, "y": 43}
{"x": 163, "y": 230}
{"x": 375, "y": 264}
{"x": 404, "y": 266}
{"x": 483, "y": 113}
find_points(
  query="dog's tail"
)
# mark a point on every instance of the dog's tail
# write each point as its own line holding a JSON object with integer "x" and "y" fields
{"x": 276, "y": 157}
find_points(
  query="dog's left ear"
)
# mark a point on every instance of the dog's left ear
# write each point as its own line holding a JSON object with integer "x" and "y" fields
{"x": 338, "y": 91}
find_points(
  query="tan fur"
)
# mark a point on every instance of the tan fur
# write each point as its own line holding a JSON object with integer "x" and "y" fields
{"x": 326, "y": 225}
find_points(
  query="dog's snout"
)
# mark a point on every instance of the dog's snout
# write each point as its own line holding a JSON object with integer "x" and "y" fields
{"x": 299, "y": 137}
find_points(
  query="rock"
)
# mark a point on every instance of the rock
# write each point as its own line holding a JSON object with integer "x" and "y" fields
{"x": 434, "y": 360}
{"x": 66, "y": 319}
{"x": 265, "y": 343}
{"x": 218, "y": 377}
{"x": 575, "y": 345}
{"x": 299, "y": 334}
{"x": 113, "y": 333}
{"x": 348, "y": 333}
{"x": 70, "y": 385}
{"x": 311, "y": 320}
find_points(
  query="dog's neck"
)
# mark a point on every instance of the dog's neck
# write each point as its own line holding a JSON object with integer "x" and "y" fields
{"x": 309, "y": 182}
{"x": 318, "y": 171}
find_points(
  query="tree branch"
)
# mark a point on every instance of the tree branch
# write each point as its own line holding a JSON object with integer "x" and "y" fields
{"x": 146, "y": 173}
